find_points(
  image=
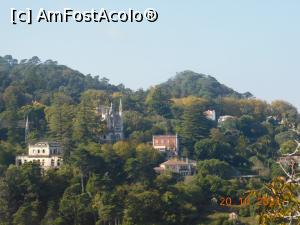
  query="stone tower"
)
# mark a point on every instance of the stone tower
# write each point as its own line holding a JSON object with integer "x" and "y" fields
{"x": 114, "y": 122}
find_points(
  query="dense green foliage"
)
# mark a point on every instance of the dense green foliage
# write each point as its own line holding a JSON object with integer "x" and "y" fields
{"x": 108, "y": 184}
{"x": 188, "y": 83}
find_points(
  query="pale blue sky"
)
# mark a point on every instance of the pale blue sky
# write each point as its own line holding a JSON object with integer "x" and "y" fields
{"x": 247, "y": 45}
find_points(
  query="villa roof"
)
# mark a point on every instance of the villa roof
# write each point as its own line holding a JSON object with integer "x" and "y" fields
{"x": 179, "y": 162}
{"x": 44, "y": 142}
{"x": 39, "y": 156}
{"x": 165, "y": 136}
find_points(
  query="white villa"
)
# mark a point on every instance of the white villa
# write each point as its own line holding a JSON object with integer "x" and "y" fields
{"x": 225, "y": 118}
{"x": 183, "y": 167}
{"x": 47, "y": 154}
{"x": 211, "y": 115}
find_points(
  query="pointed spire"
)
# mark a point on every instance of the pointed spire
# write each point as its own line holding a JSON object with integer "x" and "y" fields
{"x": 111, "y": 108}
{"x": 120, "y": 107}
{"x": 27, "y": 124}
{"x": 26, "y": 129}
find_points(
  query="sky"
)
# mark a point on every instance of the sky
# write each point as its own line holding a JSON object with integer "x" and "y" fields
{"x": 247, "y": 45}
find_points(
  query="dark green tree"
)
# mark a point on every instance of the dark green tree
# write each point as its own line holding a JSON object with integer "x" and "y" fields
{"x": 215, "y": 167}
{"x": 195, "y": 126}
{"x": 75, "y": 207}
{"x": 158, "y": 101}
{"x": 27, "y": 214}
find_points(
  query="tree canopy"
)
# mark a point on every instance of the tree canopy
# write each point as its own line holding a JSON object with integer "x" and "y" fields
{"x": 115, "y": 183}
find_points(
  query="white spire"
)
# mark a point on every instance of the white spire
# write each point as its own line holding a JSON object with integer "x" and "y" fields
{"x": 120, "y": 107}
{"x": 26, "y": 128}
{"x": 27, "y": 123}
{"x": 111, "y": 108}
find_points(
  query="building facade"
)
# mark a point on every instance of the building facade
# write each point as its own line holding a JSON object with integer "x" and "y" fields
{"x": 211, "y": 115}
{"x": 114, "y": 122}
{"x": 47, "y": 154}
{"x": 183, "y": 167}
{"x": 223, "y": 119}
{"x": 290, "y": 160}
{"x": 166, "y": 143}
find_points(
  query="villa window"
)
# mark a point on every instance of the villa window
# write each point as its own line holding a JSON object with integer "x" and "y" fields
{"x": 52, "y": 162}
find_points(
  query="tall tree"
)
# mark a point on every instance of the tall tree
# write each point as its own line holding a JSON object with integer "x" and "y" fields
{"x": 158, "y": 101}
{"x": 195, "y": 126}
{"x": 75, "y": 207}
{"x": 27, "y": 214}
{"x": 4, "y": 203}
{"x": 88, "y": 124}
{"x": 60, "y": 120}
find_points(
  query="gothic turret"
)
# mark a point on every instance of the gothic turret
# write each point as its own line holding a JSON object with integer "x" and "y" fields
{"x": 26, "y": 129}
{"x": 120, "y": 108}
{"x": 114, "y": 121}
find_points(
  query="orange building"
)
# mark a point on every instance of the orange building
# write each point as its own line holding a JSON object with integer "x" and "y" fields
{"x": 166, "y": 143}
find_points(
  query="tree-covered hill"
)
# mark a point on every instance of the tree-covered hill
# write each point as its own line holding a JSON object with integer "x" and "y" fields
{"x": 38, "y": 80}
{"x": 190, "y": 83}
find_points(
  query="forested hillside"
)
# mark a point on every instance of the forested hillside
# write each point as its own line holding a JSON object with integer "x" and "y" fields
{"x": 39, "y": 80}
{"x": 190, "y": 83}
{"x": 107, "y": 184}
